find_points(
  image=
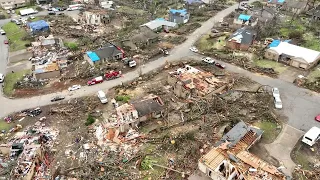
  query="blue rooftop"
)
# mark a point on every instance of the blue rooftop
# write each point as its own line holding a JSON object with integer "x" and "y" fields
{"x": 276, "y": 43}
{"x": 93, "y": 56}
{"x": 160, "y": 19}
{"x": 279, "y": 1}
{"x": 244, "y": 17}
{"x": 181, "y": 11}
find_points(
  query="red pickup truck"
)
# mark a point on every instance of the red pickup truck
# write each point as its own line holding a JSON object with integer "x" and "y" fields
{"x": 95, "y": 81}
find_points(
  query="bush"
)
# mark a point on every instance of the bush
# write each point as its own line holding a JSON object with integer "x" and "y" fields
{"x": 2, "y": 16}
{"x": 72, "y": 46}
{"x": 39, "y": 8}
{"x": 90, "y": 120}
{"x": 123, "y": 98}
{"x": 295, "y": 34}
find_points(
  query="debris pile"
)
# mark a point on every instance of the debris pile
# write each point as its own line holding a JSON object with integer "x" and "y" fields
{"x": 30, "y": 149}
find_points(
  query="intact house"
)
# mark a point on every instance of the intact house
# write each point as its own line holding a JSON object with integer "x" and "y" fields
{"x": 160, "y": 24}
{"x": 107, "y": 4}
{"x": 145, "y": 38}
{"x": 96, "y": 17}
{"x": 131, "y": 114}
{"x": 189, "y": 81}
{"x": 275, "y": 3}
{"x": 296, "y": 7}
{"x": 106, "y": 53}
{"x": 314, "y": 14}
{"x": 244, "y": 20}
{"x": 293, "y": 55}
{"x": 12, "y": 4}
{"x": 179, "y": 16}
{"x": 46, "y": 71}
{"x": 242, "y": 39}
{"x": 230, "y": 159}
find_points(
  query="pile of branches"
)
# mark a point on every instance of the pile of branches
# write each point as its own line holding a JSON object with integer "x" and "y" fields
{"x": 307, "y": 174}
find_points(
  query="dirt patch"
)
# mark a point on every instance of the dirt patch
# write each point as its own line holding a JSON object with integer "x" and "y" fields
{"x": 259, "y": 150}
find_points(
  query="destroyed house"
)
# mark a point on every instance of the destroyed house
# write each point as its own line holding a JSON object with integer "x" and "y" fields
{"x": 46, "y": 71}
{"x": 96, "y": 17}
{"x": 106, "y": 53}
{"x": 144, "y": 38}
{"x": 231, "y": 160}
{"x": 242, "y": 39}
{"x": 189, "y": 81}
{"x": 132, "y": 113}
{"x": 244, "y": 20}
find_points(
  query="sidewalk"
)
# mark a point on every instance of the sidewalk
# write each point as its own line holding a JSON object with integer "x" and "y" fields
{"x": 281, "y": 148}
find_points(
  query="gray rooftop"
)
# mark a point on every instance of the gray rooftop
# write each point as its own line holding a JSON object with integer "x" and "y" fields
{"x": 243, "y": 35}
{"x": 237, "y": 133}
{"x": 159, "y": 23}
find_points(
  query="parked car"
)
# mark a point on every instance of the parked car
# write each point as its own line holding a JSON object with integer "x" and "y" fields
{"x": 312, "y": 136}
{"x": 8, "y": 11}
{"x": 317, "y": 118}
{"x": 51, "y": 13}
{"x": 32, "y": 17}
{"x": 275, "y": 92}
{"x": 2, "y": 32}
{"x": 18, "y": 22}
{"x": 193, "y": 49}
{"x": 208, "y": 60}
{"x": 222, "y": 66}
{"x": 277, "y": 103}
{"x": 6, "y": 42}
{"x": 95, "y": 81}
{"x": 1, "y": 78}
{"x": 74, "y": 87}
{"x": 13, "y": 20}
{"x": 57, "y": 98}
{"x": 102, "y": 97}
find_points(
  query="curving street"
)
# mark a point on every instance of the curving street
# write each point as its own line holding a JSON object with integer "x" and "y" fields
{"x": 300, "y": 105}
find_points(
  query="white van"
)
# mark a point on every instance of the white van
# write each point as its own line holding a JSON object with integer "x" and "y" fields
{"x": 311, "y": 136}
{"x": 102, "y": 97}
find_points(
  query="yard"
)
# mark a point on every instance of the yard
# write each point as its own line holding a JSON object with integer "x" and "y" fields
{"x": 206, "y": 43}
{"x": 15, "y": 35}
{"x": 11, "y": 79}
{"x": 271, "y": 130}
{"x": 314, "y": 74}
{"x": 278, "y": 67}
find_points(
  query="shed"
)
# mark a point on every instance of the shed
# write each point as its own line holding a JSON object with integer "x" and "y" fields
{"x": 38, "y": 26}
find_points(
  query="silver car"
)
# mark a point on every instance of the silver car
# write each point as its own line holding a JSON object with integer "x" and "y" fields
{"x": 275, "y": 92}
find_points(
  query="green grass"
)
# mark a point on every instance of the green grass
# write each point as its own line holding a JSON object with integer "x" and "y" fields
{"x": 4, "y": 125}
{"x": 295, "y": 26}
{"x": 311, "y": 41}
{"x": 270, "y": 131}
{"x": 301, "y": 159}
{"x": 11, "y": 79}
{"x": 126, "y": 9}
{"x": 207, "y": 44}
{"x": 315, "y": 73}
{"x": 278, "y": 67}
{"x": 15, "y": 35}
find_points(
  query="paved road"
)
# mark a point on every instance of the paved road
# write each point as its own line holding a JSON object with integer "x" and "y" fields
{"x": 300, "y": 105}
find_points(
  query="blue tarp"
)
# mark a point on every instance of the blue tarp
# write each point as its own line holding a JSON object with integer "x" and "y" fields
{"x": 276, "y": 43}
{"x": 38, "y": 26}
{"x": 93, "y": 56}
{"x": 160, "y": 19}
{"x": 181, "y": 11}
{"x": 244, "y": 17}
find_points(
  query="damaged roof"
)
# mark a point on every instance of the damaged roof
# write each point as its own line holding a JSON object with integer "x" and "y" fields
{"x": 49, "y": 67}
{"x": 148, "y": 105}
{"x": 108, "y": 51}
{"x": 144, "y": 35}
{"x": 240, "y": 132}
{"x": 244, "y": 35}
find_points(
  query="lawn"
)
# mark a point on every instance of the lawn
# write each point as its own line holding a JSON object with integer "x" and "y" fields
{"x": 270, "y": 131}
{"x": 4, "y": 125}
{"x": 288, "y": 27}
{"x": 11, "y": 79}
{"x": 314, "y": 74}
{"x": 15, "y": 35}
{"x": 206, "y": 43}
{"x": 278, "y": 67}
